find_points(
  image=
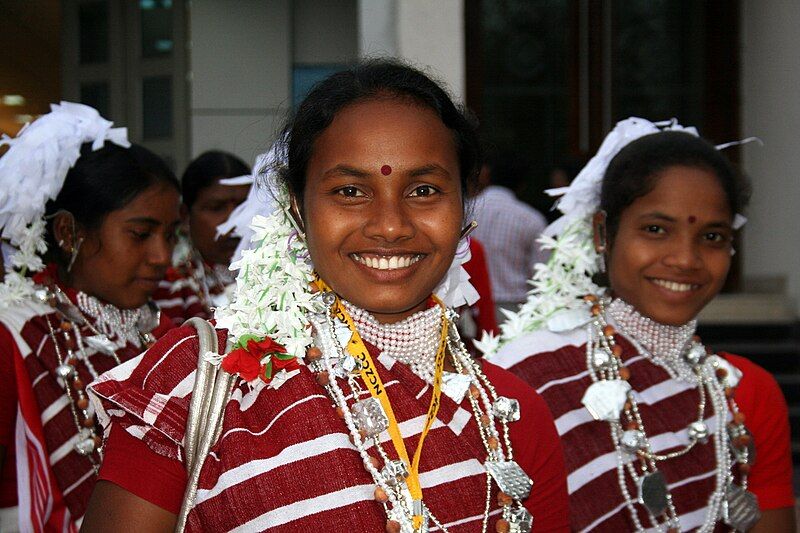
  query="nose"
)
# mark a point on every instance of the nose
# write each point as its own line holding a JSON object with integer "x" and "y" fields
{"x": 389, "y": 220}
{"x": 684, "y": 254}
{"x": 160, "y": 252}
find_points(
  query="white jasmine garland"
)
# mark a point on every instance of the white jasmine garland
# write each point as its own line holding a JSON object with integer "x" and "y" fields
{"x": 272, "y": 292}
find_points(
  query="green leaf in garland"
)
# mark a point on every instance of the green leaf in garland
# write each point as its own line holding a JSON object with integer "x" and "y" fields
{"x": 268, "y": 371}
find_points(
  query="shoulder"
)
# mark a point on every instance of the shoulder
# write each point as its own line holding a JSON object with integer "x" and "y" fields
{"x": 758, "y": 393}
{"x": 15, "y": 319}
{"x": 533, "y": 344}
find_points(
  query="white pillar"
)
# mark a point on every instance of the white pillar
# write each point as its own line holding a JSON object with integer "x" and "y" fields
{"x": 771, "y": 111}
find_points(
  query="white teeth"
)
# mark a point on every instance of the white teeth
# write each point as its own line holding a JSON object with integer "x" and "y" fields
{"x": 393, "y": 262}
{"x": 673, "y": 285}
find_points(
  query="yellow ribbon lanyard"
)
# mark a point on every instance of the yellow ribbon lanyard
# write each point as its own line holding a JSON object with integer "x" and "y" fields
{"x": 369, "y": 375}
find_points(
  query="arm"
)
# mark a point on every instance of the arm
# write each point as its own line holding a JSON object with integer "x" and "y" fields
{"x": 776, "y": 521}
{"x": 136, "y": 487}
{"x": 111, "y": 506}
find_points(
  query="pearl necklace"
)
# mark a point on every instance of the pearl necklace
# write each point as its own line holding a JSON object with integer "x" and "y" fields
{"x": 412, "y": 341}
{"x": 733, "y": 503}
{"x": 121, "y": 326}
{"x": 663, "y": 344}
{"x": 328, "y": 359}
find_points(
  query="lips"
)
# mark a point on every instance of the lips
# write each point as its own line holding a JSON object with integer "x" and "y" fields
{"x": 675, "y": 286}
{"x": 386, "y": 261}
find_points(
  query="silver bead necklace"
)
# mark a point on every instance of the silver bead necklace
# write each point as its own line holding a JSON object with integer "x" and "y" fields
{"x": 121, "y": 326}
{"x": 677, "y": 349}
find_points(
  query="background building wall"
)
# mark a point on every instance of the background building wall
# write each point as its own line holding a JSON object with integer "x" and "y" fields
{"x": 240, "y": 72}
{"x": 771, "y": 110}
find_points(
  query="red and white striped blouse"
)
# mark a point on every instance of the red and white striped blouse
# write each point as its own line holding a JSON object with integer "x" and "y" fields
{"x": 284, "y": 459}
{"x": 555, "y": 365}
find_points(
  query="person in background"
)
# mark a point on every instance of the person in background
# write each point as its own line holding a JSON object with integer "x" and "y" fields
{"x": 92, "y": 220}
{"x": 213, "y": 185}
{"x": 508, "y": 229}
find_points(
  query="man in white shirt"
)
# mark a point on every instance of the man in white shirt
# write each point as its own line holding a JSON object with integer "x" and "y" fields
{"x": 508, "y": 229}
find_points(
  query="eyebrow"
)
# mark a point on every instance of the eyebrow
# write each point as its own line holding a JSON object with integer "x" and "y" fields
{"x": 144, "y": 220}
{"x": 667, "y": 218}
{"x": 347, "y": 170}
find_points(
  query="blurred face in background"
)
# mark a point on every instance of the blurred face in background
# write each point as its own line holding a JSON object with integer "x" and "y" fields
{"x": 213, "y": 205}
{"x": 123, "y": 260}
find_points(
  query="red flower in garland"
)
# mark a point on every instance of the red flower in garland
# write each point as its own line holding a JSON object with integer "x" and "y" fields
{"x": 246, "y": 360}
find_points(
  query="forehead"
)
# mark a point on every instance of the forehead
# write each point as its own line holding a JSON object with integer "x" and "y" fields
{"x": 382, "y": 131}
{"x": 159, "y": 201}
{"x": 218, "y": 191}
{"x": 683, "y": 191}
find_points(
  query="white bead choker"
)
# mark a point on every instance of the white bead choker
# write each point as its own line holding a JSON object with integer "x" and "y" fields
{"x": 412, "y": 341}
{"x": 663, "y": 344}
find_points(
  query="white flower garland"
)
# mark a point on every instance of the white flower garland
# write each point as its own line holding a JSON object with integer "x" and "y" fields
{"x": 272, "y": 292}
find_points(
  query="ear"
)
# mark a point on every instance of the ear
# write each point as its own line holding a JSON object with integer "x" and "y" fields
{"x": 66, "y": 231}
{"x": 599, "y": 233}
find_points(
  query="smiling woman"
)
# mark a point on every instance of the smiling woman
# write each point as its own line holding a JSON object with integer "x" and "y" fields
{"x": 352, "y": 404}
{"x": 658, "y": 431}
{"x": 90, "y": 224}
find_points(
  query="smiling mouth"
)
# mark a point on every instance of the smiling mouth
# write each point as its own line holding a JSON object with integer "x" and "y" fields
{"x": 386, "y": 262}
{"x": 674, "y": 286}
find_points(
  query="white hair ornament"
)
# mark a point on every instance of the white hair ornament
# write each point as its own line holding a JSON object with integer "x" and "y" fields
{"x": 32, "y": 172}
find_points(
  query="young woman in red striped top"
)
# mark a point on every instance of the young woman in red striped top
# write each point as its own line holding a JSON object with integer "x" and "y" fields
{"x": 90, "y": 222}
{"x": 658, "y": 431}
{"x": 386, "y": 423}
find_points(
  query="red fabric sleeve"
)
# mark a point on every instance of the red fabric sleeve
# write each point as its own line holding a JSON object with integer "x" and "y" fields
{"x": 537, "y": 449}
{"x": 767, "y": 418}
{"x": 8, "y": 388}
{"x": 129, "y": 463}
{"x": 478, "y": 271}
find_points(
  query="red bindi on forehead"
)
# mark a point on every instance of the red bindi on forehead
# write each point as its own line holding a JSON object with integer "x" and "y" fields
{"x": 386, "y": 170}
{"x": 692, "y": 219}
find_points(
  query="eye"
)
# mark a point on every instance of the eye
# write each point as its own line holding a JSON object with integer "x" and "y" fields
{"x": 423, "y": 191}
{"x": 654, "y": 229}
{"x": 140, "y": 235}
{"x": 350, "y": 191}
{"x": 716, "y": 237}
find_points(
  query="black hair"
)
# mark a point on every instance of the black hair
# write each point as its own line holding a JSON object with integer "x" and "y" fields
{"x": 102, "y": 181}
{"x": 370, "y": 79}
{"x": 205, "y": 169}
{"x": 634, "y": 171}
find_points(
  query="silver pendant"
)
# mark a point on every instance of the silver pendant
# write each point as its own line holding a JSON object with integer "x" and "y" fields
{"x": 369, "y": 416}
{"x": 394, "y": 473}
{"x": 85, "y": 446}
{"x": 101, "y": 343}
{"x": 605, "y": 399}
{"x": 510, "y": 478}
{"x": 740, "y": 508}
{"x": 455, "y": 385}
{"x": 520, "y": 520}
{"x": 506, "y": 409}
{"x": 65, "y": 371}
{"x": 149, "y": 318}
{"x": 632, "y": 440}
{"x": 600, "y": 358}
{"x": 695, "y": 355}
{"x": 698, "y": 431}
{"x": 653, "y": 492}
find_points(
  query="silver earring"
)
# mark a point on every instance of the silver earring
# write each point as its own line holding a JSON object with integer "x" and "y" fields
{"x": 469, "y": 228}
{"x": 601, "y": 262}
{"x": 74, "y": 254}
{"x": 293, "y": 214}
